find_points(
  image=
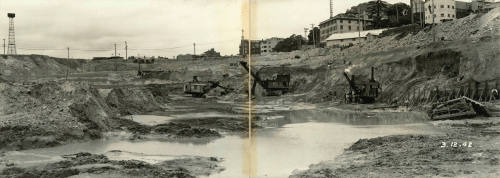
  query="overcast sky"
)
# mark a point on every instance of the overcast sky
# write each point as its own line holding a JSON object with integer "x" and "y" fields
{"x": 154, "y": 27}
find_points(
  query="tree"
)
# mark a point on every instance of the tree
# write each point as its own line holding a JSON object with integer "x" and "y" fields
{"x": 376, "y": 9}
{"x": 289, "y": 44}
{"x": 316, "y": 36}
{"x": 211, "y": 53}
{"x": 399, "y": 14}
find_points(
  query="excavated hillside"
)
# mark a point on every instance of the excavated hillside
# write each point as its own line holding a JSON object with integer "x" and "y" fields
{"x": 464, "y": 50}
{"x": 30, "y": 67}
{"x": 52, "y": 113}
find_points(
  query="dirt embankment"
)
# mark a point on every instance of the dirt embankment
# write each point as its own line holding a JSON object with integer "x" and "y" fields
{"x": 19, "y": 68}
{"x": 467, "y": 149}
{"x": 91, "y": 165}
{"x": 53, "y": 113}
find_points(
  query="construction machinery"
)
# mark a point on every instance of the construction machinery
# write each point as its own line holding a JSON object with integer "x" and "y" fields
{"x": 198, "y": 88}
{"x": 274, "y": 87}
{"x": 458, "y": 108}
{"x": 360, "y": 90}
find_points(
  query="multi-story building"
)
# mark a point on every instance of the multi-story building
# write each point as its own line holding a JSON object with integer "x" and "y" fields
{"x": 254, "y": 44}
{"x": 438, "y": 11}
{"x": 343, "y": 23}
{"x": 267, "y": 45}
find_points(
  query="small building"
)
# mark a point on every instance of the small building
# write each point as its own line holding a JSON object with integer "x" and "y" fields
{"x": 267, "y": 45}
{"x": 254, "y": 44}
{"x": 438, "y": 11}
{"x": 107, "y": 58}
{"x": 187, "y": 57}
{"x": 483, "y": 5}
{"x": 351, "y": 38}
{"x": 344, "y": 23}
{"x": 462, "y": 9}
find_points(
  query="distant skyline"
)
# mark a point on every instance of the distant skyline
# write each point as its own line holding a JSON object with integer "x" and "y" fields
{"x": 154, "y": 27}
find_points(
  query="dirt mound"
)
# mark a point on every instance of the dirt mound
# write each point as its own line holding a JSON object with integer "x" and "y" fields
{"x": 47, "y": 114}
{"x": 28, "y": 67}
{"x": 56, "y": 112}
{"x": 87, "y": 164}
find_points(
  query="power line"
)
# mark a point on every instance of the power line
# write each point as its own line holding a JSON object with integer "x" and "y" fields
{"x": 135, "y": 49}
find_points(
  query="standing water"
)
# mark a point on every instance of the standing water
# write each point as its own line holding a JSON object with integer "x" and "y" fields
{"x": 293, "y": 140}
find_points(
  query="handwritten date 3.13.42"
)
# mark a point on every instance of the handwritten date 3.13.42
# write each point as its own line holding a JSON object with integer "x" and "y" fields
{"x": 456, "y": 144}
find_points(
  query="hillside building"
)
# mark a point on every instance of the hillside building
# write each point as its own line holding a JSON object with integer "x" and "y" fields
{"x": 267, "y": 45}
{"x": 351, "y": 38}
{"x": 438, "y": 11}
{"x": 344, "y": 23}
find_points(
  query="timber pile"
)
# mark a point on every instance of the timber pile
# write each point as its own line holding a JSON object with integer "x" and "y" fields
{"x": 459, "y": 108}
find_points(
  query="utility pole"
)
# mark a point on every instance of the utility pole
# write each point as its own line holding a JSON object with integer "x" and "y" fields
{"x": 194, "y": 48}
{"x": 359, "y": 22}
{"x": 4, "y": 46}
{"x": 331, "y": 8}
{"x": 126, "y": 51}
{"x": 411, "y": 11}
{"x": 67, "y": 69}
{"x": 305, "y": 32}
{"x": 115, "y": 49}
{"x": 314, "y": 39}
{"x": 433, "y": 19}
{"x": 397, "y": 13}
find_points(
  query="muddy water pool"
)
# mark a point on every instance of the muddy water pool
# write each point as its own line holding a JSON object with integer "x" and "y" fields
{"x": 289, "y": 140}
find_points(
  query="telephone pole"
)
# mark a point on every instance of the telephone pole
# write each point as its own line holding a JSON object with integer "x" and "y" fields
{"x": 359, "y": 22}
{"x": 397, "y": 14}
{"x": 433, "y": 19}
{"x": 115, "y": 49}
{"x": 126, "y": 51}
{"x": 194, "y": 48}
{"x": 67, "y": 69}
{"x": 314, "y": 40}
{"x": 4, "y": 46}
{"x": 411, "y": 11}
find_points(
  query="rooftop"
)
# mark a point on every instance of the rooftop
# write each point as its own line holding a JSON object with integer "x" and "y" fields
{"x": 338, "y": 36}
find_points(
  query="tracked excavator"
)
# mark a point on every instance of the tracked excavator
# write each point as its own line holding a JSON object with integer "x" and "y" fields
{"x": 198, "y": 88}
{"x": 361, "y": 91}
{"x": 275, "y": 87}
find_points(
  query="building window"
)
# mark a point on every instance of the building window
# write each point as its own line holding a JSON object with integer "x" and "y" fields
{"x": 442, "y": 6}
{"x": 448, "y": 6}
{"x": 349, "y": 28}
{"x": 448, "y": 15}
{"x": 341, "y": 40}
{"x": 453, "y": 7}
{"x": 341, "y": 21}
{"x": 453, "y": 16}
{"x": 442, "y": 15}
{"x": 349, "y": 21}
{"x": 354, "y": 39}
{"x": 357, "y": 28}
{"x": 341, "y": 27}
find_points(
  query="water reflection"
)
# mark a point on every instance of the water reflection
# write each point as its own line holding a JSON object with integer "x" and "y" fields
{"x": 338, "y": 116}
{"x": 296, "y": 140}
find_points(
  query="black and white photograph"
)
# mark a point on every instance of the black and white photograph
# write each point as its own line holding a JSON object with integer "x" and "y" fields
{"x": 249, "y": 88}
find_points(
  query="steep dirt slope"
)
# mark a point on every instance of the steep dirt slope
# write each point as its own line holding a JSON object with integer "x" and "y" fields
{"x": 27, "y": 67}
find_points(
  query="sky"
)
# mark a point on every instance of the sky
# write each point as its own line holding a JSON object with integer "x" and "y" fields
{"x": 156, "y": 27}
